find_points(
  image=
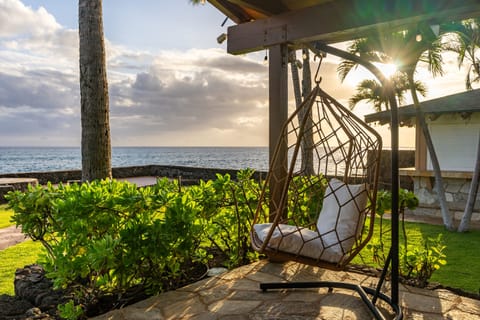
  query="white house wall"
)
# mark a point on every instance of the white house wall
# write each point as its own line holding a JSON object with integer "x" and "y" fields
{"x": 456, "y": 141}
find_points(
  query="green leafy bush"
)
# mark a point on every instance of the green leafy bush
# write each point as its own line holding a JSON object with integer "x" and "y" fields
{"x": 228, "y": 210}
{"x": 107, "y": 237}
{"x": 420, "y": 261}
{"x": 417, "y": 261}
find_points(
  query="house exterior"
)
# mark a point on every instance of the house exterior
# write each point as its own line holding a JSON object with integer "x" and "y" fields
{"x": 454, "y": 124}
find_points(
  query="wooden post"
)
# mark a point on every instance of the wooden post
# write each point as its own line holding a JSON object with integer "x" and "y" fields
{"x": 278, "y": 114}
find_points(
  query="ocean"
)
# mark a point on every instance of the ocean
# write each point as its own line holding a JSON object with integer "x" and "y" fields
{"x": 39, "y": 159}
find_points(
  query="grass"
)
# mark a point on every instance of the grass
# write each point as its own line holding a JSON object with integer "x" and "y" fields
{"x": 16, "y": 257}
{"x": 462, "y": 270}
{"x": 5, "y": 215}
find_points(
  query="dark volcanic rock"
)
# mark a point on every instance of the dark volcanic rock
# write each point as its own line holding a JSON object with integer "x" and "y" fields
{"x": 34, "y": 298}
{"x": 13, "y": 307}
{"x": 32, "y": 285}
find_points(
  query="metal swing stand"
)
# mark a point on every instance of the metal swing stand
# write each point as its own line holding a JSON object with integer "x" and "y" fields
{"x": 368, "y": 295}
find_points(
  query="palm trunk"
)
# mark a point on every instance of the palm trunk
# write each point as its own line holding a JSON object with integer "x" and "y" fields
{"x": 306, "y": 89}
{"x": 472, "y": 194}
{"x": 96, "y": 148}
{"x": 307, "y": 140}
{"x": 446, "y": 216}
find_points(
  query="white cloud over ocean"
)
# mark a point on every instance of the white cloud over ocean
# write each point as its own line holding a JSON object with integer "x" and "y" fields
{"x": 187, "y": 97}
{"x": 169, "y": 98}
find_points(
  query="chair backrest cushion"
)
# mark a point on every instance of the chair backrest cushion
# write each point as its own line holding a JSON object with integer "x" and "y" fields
{"x": 341, "y": 218}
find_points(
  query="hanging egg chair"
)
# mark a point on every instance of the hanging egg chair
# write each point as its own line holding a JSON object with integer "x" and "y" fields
{"x": 317, "y": 206}
{"x": 324, "y": 174}
{"x": 318, "y": 203}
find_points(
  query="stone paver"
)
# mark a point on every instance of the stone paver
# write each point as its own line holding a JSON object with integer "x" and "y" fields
{"x": 10, "y": 236}
{"x": 236, "y": 296}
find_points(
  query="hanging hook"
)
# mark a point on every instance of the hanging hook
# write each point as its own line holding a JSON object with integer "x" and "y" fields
{"x": 318, "y": 78}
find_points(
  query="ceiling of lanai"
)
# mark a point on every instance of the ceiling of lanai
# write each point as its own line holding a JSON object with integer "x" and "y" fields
{"x": 263, "y": 23}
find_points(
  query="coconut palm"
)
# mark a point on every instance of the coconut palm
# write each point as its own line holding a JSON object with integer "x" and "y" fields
{"x": 463, "y": 38}
{"x": 300, "y": 92}
{"x": 406, "y": 49}
{"x": 374, "y": 92}
{"x": 96, "y": 146}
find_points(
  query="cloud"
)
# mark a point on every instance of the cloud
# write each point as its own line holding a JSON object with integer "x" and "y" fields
{"x": 16, "y": 19}
{"x": 193, "y": 97}
{"x": 198, "y": 93}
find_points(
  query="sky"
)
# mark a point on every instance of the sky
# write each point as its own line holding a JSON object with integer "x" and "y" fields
{"x": 170, "y": 82}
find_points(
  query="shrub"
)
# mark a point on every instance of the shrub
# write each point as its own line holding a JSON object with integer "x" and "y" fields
{"x": 417, "y": 261}
{"x": 107, "y": 237}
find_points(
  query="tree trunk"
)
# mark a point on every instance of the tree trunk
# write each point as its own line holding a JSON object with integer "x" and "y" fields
{"x": 306, "y": 89}
{"x": 96, "y": 148}
{"x": 472, "y": 194}
{"x": 306, "y": 142}
{"x": 446, "y": 216}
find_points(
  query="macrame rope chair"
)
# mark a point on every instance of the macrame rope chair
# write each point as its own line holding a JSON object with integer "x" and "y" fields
{"x": 317, "y": 206}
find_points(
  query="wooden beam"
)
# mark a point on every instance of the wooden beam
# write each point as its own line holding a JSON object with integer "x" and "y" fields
{"x": 231, "y": 10}
{"x": 267, "y": 7}
{"x": 343, "y": 20}
{"x": 278, "y": 115}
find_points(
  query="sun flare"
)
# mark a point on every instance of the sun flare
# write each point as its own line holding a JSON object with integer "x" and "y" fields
{"x": 388, "y": 69}
{"x": 360, "y": 74}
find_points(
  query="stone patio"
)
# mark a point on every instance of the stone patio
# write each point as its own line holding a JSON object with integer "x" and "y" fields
{"x": 235, "y": 295}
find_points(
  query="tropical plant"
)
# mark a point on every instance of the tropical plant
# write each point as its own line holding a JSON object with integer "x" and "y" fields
{"x": 406, "y": 49}
{"x": 96, "y": 145}
{"x": 110, "y": 239}
{"x": 418, "y": 260}
{"x": 374, "y": 92}
{"x": 463, "y": 38}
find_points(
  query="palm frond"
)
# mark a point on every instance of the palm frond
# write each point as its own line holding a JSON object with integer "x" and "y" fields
{"x": 344, "y": 69}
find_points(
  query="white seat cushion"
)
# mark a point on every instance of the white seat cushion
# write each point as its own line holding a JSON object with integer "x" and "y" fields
{"x": 297, "y": 241}
{"x": 337, "y": 226}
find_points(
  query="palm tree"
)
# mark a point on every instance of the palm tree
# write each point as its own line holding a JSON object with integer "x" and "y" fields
{"x": 373, "y": 92}
{"x": 300, "y": 92}
{"x": 406, "y": 49}
{"x": 463, "y": 38}
{"x": 465, "y": 41}
{"x": 96, "y": 146}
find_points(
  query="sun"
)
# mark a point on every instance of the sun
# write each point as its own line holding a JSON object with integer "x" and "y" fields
{"x": 388, "y": 69}
{"x": 355, "y": 76}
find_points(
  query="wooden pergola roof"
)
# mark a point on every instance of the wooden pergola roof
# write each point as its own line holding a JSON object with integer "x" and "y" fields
{"x": 263, "y": 23}
{"x": 464, "y": 103}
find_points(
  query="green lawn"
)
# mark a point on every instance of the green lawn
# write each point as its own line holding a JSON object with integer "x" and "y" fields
{"x": 16, "y": 257}
{"x": 5, "y": 215}
{"x": 463, "y": 261}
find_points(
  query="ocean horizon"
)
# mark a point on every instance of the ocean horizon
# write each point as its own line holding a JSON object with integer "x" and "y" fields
{"x": 44, "y": 159}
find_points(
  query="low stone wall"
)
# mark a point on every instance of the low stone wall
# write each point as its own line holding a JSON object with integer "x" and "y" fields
{"x": 406, "y": 159}
{"x": 456, "y": 194}
{"x": 12, "y": 184}
{"x": 188, "y": 175}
